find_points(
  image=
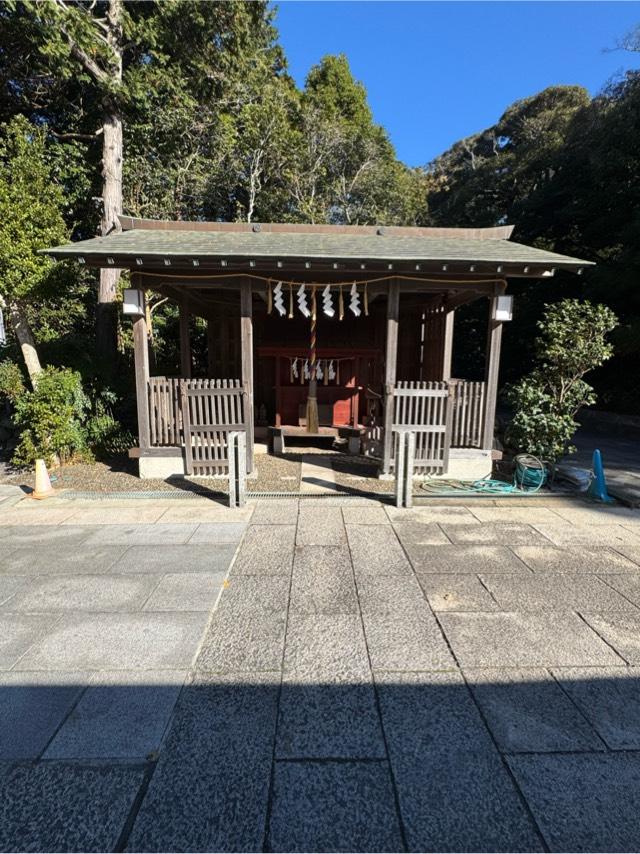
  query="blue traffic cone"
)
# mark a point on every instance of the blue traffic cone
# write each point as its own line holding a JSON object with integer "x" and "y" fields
{"x": 598, "y": 488}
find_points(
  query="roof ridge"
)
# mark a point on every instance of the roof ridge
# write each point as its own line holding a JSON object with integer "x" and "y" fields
{"x": 500, "y": 232}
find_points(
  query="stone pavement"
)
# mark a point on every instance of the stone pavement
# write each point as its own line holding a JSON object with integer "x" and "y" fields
{"x": 319, "y": 675}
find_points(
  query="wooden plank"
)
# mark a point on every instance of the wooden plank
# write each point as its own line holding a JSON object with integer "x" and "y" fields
{"x": 185, "y": 341}
{"x": 141, "y": 359}
{"x": 246, "y": 342}
{"x": 186, "y": 426}
{"x": 447, "y": 344}
{"x": 390, "y": 367}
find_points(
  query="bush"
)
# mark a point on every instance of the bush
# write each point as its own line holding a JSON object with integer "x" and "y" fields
{"x": 50, "y": 419}
{"x": 571, "y": 343}
{"x": 11, "y": 381}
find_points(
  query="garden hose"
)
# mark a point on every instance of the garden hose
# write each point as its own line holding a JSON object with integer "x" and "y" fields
{"x": 530, "y": 475}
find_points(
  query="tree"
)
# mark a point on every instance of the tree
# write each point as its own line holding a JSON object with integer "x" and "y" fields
{"x": 30, "y": 220}
{"x": 572, "y": 342}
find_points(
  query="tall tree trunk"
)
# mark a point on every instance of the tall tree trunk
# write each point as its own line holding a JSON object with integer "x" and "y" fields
{"x": 27, "y": 342}
{"x": 112, "y": 153}
{"x": 106, "y": 330}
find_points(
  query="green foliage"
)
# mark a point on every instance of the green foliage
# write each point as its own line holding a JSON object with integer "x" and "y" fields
{"x": 572, "y": 342}
{"x": 50, "y": 418}
{"x": 11, "y": 381}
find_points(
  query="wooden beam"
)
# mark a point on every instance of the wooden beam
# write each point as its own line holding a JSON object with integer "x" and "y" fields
{"x": 491, "y": 374}
{"x": 185, "y": 341}
{"x": 390, "y": 364}
{"x": 141, "y": 359}
{"x": 246, "y": 348}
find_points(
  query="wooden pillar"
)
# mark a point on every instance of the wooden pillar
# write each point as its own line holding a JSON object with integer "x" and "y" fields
{"x": 185, "y": 341}
{"x": 390, "y": 361}
{"x": 211, "y": 349}
{"x": 141, "y": 359}
{"x": 492, "y": 369}
{"x": 246, "y": 345}
{"x": 447, "y": 345}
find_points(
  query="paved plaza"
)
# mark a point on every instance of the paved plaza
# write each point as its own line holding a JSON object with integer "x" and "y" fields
{"x": 319, "y": 675}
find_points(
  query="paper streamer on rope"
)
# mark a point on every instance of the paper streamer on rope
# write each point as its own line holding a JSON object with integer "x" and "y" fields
{"x": 331, "y": 371}
{"x": 306, "y": 369}
{"x": 327, "y": 302}
{"x": 290, "y": 301}
{"x": 354, "y": 303}
{"x": 3, "y": 334}
{"x": 278, "y": 300}
{"x": 294, "y": 369}
{"x": 302, "y": 301}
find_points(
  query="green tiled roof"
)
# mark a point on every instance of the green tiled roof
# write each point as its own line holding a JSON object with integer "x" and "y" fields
{"x": 150, "y": 244}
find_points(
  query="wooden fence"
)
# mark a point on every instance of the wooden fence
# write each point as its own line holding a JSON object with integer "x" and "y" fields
{"x": 211, "y": 409}
{"x": 468, "y": 413}
{"x": 197, "y": 414}
{"x": 425, "y": 408}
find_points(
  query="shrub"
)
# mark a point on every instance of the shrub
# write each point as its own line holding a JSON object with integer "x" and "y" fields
{"x": 572, "y": 342}
{"x": 50, "y": 419}
{"x": 11, "y": 381}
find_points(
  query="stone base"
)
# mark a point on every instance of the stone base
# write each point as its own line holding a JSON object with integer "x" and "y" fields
{"x": 160, "y": 467}
{"x": 468, "y": 464}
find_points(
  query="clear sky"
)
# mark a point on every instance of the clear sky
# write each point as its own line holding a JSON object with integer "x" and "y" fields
{"x": 436, "y": 72}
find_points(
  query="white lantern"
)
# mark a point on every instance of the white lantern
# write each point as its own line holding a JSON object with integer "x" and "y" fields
{"x": 133, "y": 301}
{"x": 503, "y": 309}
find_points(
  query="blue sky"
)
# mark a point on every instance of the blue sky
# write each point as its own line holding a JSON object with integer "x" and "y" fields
{"x": 436, "y": 72}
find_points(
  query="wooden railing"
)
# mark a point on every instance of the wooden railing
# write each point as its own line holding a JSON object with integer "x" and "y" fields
{"x": 468, "y": 413}
{"x": 165, "y": 415}
{"x": 211, "y": 410}
{"x": 425, "y": 408}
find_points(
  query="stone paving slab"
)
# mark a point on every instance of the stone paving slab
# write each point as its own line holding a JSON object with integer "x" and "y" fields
{"x": 75, "y": 593}
{"x": 207, "y": 514}
{"x": 631, "y": 552}
{"x": 19, "y": 632}
{"x": 51, "y": 535}
{"x": 120, "y": 716}
{"x": 526, "y": 515}
{"x": 583, "y": 802}
{"x": 503, "y": 533}
{"x": 65, "y": 807}
{"x": 406, "y": 641}
{"x": 464, "y": 559}
{"x": 365, "y": 515}
{"x": 610, "y": 700}
{"x": 282, "y": 512}
{"x": 327, "y": 721}
{"x": 42, "y": 559}
{"x": 620, "y": 630}
{"x": 596, "y": 559}
{"x": 389, "y": 593}
{"x": 320, "y": 527}
{"x": 32, "y": 707}
{"x": 597, "y": 535}
{"x": 266, "y": 551}
{"x": 528, "y": 712}
{"x": 325, "y": 648}
{"x": 160, "y": 560}
{"x": 558, "y": 639}
{"x": 243, "y": 642}
{"x": 376, "y": 550}
{"x": 210, "y": 789}
{"x": 323, "y": 581}
{"x": 454, "y": 792}
{"x": 421, "y": 533}
{"x": 137, "y": 535}
{"x": 186, "y": 591}
{"x": 433, "y": 514}
{"x": 117, "y": 641}
{"x": 599, "y": 515}
{"x": 140, "y": 515}
{"x": 627, "y": 584}
{"x": 456, "y": 593}
{"x": 216, "y": 533}
{"x": 34, "y": 514}
{"x": 554, "y": 592}
{"x": 244, "y": 595}
{"x": 333, "y": 807}
{"x": 10, "y": 585}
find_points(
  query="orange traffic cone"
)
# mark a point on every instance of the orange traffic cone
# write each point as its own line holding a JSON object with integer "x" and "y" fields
{"x": 43, "y": 484}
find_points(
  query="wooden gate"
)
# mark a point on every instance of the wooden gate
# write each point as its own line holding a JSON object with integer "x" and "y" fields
{"x": 426, "y": 409}
{"x": 211, "y": 409}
